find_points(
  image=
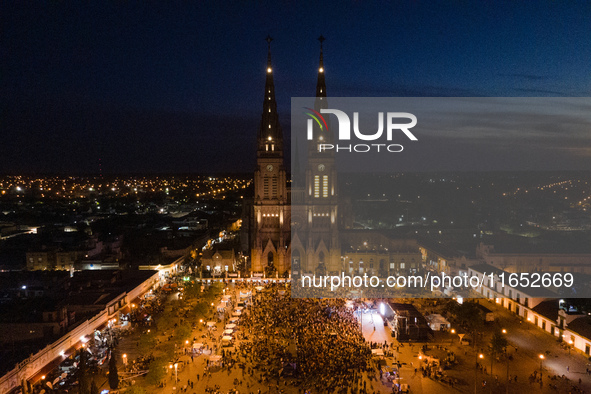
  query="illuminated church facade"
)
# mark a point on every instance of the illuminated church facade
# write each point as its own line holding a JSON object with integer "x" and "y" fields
{"x": 298, "y": 229}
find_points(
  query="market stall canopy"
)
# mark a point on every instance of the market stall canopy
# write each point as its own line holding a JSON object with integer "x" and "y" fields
{"x": 234, "y": 320}
{"x": 227, "y": 338}
{"x": 236, "y": 313}
{"x": 230, "y": 326}
{"x": 228, "y": 332}
{"x": 210, "y": 324}
{"x": 197, "y": 345}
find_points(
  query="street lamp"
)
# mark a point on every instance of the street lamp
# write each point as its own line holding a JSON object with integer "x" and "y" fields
{"x": 541, "y": 366}
{"x": 480, "y": 356}
{"x": 570, "y": 343}
{"x": 176, "y": 379}
{"x": 125, "y": 359}
{"x": 504, "y": 331}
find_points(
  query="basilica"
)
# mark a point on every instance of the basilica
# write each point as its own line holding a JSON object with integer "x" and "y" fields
{"x": 299, "y": 224}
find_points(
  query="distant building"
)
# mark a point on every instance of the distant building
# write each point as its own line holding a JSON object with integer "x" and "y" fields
{"x": 518, "y": 255}
{"x": 98, "y": 297}
{"x": 218, "y": 261}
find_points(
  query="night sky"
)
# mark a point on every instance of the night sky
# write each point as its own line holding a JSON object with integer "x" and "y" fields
{"x": 178, "y": 88}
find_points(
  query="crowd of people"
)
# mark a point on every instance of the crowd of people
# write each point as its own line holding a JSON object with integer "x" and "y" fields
{"x": 309, "y": 343}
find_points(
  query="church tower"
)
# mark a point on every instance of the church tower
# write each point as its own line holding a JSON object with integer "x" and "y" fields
{"x": 315, "y": 236}
{"x": 271, "y": 201}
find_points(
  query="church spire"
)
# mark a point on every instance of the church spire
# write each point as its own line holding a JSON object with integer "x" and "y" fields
{"x": 321, "y": 85}
{"x": 270, "y": 137}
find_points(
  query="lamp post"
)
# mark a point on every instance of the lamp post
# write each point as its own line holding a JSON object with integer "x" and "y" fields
{"x": 124, "y": 359}
{"x": 478, "y": 356}
{"x": 507, "y": 361}
{"x": 541, "y": 367}
{"x": 176, "y": 378}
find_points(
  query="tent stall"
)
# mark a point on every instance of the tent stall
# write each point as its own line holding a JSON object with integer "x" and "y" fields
{"x": 215, "y": 359}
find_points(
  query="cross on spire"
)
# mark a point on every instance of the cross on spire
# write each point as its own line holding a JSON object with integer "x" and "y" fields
{"x": 321, "y": 85}
{"x": 269, "y": 39}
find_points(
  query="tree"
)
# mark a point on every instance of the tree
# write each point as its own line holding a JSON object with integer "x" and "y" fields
{"x": 183, "y": 332}
{"x": 157, "y": 371}
{"x": 113, "y": 373}
{"x": 147, "y": 342}
{"x": 469, "y": 316}
{"x": 135, "y": 390}
{"x": 498, "y": 344}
